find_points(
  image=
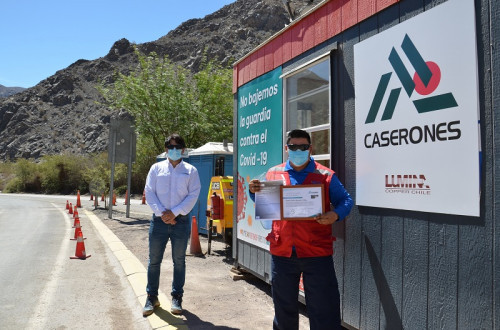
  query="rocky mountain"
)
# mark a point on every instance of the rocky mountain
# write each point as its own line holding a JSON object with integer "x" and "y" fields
{"x": 64, "y": 114}
{"x": 8, "y": 91}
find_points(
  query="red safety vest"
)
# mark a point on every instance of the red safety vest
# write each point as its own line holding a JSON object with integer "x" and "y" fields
{"x": 310, "y": 238}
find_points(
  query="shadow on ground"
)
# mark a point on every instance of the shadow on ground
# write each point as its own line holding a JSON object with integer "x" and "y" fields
{"x": 196, "y": 323}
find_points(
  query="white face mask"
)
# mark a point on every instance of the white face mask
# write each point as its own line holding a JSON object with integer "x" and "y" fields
{"x": 174, "y": 154}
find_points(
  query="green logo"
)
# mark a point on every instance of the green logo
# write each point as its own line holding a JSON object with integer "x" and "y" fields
{"x": 425, "y": 81}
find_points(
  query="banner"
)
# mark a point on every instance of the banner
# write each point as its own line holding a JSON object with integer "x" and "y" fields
{"x": 417, "y": 111}
{"x": 260, "y": 111}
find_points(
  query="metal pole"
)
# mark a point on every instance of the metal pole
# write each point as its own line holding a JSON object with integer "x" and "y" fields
{"x": 210, "y": 225}
{"x": 113, "y": 148}
{"x": 129, "y": 178}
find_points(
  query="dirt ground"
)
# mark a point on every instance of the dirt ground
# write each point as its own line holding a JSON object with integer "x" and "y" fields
{"x": 212, "y": 299}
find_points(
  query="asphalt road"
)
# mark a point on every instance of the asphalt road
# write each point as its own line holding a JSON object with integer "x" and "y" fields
{"x": 42, "y": 288}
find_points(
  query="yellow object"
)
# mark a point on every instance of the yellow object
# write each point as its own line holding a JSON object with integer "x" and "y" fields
{"x": 223, "y": 187}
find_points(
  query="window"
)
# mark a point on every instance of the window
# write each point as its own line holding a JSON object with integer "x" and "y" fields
{"x": 308, "y": 106}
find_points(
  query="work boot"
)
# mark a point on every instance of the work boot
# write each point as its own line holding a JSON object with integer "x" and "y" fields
{"x": 151, "y": 303}
{"x": 176, "y": 305}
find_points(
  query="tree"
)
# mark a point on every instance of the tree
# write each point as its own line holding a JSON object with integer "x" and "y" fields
{"x": 215, "y": 101}
{"x": 165, "y": 98}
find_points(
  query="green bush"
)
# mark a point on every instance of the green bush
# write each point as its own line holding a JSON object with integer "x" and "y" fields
{"x": 63, "y": 174}
{"x": 14, "y": 185}
{"x": 7, "y": 172}
{"x": 27, "y": 175}
{"x": 97, "y": 173}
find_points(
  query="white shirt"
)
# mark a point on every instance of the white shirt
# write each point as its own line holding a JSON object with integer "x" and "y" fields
{"x": 172, "y": 188}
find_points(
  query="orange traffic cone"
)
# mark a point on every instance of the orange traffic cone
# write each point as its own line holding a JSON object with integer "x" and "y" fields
{"x": 144, "y": 197}
{"x": 78, "y": 230}
{"x": 76, "y": 223}
{"x": 75, "y": 213}
{"x": 195, "y": 247}
{"x": 80, "y": 248}
{"x": 91, "y": 197}
{"x": 70, "y": 210}
{"x": 78, "y": 203}
{"x": 126, "y": 197}
{"x": 67, "y": 205}
{"x": 114, "y": 199}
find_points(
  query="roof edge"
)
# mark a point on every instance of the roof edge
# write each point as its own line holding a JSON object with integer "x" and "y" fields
{"x": 274, "y": 36}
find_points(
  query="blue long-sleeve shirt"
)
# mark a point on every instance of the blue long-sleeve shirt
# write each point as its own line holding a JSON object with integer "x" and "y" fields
{"x": 339, "y": 197}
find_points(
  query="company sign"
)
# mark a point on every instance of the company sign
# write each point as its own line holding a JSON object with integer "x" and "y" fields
{"x": 417, "y": 129}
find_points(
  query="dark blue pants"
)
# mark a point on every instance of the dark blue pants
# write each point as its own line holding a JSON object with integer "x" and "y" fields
{"x": 320, "y": 287}
{"x": 159, "y": 235}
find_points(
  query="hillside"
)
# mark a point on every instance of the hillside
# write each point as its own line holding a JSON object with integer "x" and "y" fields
{"x": 8, "y": 91}
{"x": 63, "y": 114}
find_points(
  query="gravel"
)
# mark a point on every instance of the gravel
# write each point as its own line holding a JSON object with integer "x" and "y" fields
{"x": 213, "y": 299}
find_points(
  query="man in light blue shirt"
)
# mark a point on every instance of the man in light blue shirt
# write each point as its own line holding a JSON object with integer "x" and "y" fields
{"x": 172, "y": 189}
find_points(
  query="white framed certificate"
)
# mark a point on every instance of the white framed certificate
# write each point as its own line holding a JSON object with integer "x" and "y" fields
{"x": 302, "y": 202}
{"x": 268, "y": 201}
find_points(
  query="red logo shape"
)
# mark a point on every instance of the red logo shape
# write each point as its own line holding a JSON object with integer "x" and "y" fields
{"x": 420, "y": 88}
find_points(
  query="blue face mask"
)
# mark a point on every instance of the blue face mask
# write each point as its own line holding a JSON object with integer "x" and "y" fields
{"x": 298, "y": 157}
{"x": 174, "y": 154}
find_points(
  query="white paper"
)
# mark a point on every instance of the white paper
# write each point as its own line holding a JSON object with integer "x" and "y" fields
{"x": 302, "y": 202}
{"x": 267, "y": 201}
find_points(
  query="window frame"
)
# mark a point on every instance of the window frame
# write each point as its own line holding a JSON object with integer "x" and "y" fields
{"x": 317, "y": 128}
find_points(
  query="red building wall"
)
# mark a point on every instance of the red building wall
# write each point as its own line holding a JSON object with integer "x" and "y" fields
{"x": 330, "y": 19}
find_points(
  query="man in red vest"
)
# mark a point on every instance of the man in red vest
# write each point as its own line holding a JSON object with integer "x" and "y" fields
{"x": 305, "y": 246}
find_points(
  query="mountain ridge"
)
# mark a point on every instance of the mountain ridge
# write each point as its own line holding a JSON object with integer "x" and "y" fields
{"x": 64, "y": 113}
{"x": 8, "y": 91}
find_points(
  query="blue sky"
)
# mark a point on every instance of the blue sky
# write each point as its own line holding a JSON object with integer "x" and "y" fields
{"x": 38, "y": 38}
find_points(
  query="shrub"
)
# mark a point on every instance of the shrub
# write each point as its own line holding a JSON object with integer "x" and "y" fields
{"x": 7, "y": 173}
{"x": 14, "y": 185}
{"x": 27, "y": 174}
{"x": 63, "y": 174}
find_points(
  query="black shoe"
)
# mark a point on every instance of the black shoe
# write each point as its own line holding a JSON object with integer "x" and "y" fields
{"x": 151, "y": 303}
{"x": 176, "y": 305}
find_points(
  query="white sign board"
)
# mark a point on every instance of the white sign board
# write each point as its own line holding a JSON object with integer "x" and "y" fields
{"x": 417, "y": 110}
